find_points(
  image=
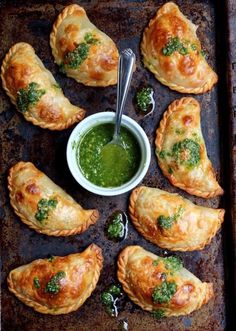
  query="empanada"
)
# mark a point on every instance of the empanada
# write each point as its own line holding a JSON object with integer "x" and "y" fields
{"x": 34, "y": 90}
{"x": 43, "y": 205}
{"x": 160, "y": 285}
{"x": 82, "y": 51}
{"x": 172, "y": 51}
{"x": 181, "y": 150}
{"x": 172, "y": 222}
{"x": 57, "y": 285}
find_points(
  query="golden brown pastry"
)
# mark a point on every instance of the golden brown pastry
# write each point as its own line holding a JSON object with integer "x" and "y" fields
{"x": 82, "y": 51}
{"x": 34, "y": 90}
{"x": 160, "y": 285}
{"x": 57, "y": 285}
{"x": 172, "y": 52}
{"x": 172, "y": 222}
{"x": 181, "y": 150}
{"x": 43, "y": 205}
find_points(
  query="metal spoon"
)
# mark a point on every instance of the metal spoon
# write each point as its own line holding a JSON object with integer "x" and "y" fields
{"x": 125, "y": 72}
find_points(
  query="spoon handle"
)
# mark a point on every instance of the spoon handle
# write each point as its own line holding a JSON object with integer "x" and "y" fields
{"x": 125, "y": 72}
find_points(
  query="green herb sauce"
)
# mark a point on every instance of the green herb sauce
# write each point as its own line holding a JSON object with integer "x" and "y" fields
{"x": 172, "y": 263}
{"x": 36, "y": 282}
{"x": 44, "y": 207}
{"x": 166, "y": 222}
{"x": 110, "y": 299}
{"x": 29, "y": 96}
{"x": 113, "y": 165}
{"x": 159, "y": 313}
{"x": 117, "y": 226}
{"x": 53, "y": 286}
{"x": 164, "y": 292}
{"x": 187, "y": 152}
{"x": 144, "y": 99}
{"x": 75, "y": 58}
{"x": 174, "y": 45}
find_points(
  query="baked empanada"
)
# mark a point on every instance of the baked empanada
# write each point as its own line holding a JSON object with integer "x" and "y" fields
{"x": 173, "y": 53}
{"x": 34, "y": 90}
{"x": 172, "y": 222}
{"x": 57, "y": 285}
{"x": 43, "y": 205}
{"x": 181, "y": 150}
{"x": 160, "y": 285}
{"x": 82, "y": 51}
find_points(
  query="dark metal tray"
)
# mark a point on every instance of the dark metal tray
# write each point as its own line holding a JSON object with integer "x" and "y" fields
{"x": 124, "y": 21}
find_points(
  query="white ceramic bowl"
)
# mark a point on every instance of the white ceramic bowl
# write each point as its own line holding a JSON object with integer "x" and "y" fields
{"x": 88, "y": 123}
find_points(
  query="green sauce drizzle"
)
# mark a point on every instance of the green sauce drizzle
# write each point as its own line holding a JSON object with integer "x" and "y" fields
{"x": 164, "y": 292}
{"x": 29, "y": 96}
{"x": 53, "y": 286}
{"x": 115, "y": 229}
{"x": 159, "y": 313}
{"x": 75, "y": 58}
{"x": 109, "y": 299}
{"x": 174, "y": 45}
{"x": 187, "y": 152}
{"x": 44, "y": 207}
{"x": 144, "y": 98}
{"x": 166, "y": 222}
{"x": 36, "y": 282}
{"x": 172, "y": 263}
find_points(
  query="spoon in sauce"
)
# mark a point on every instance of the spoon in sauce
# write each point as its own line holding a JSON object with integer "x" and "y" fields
{"x": 116, "y": 147}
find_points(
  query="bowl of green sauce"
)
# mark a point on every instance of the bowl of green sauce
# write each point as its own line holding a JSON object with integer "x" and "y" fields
{"x": 112, "y": 170}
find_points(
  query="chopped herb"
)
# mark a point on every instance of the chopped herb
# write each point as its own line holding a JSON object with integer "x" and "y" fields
{"x": 62, "y": 68}
{"x": 194, "y": 47}
{"x": 187, "y": 152}
{"x": 29, "y": 96}
{"x": 170, "y": 171}
{"x": 174, "y": 45}
{"x": 173, "y": 263}
{"x": 156, "y": 262}
{"x": 114, "y": 290}
{"x": 179, "y": 131}
{"x": 159, "y": 313}
{"x": 164, "y": 154}
{"x": 107, "y": 298}
{"x": 164, "y": 292}
{"x": 115, "y": 229}
{"x": 203, "y": 53}
{"x": 51, "y": 258}
{"x": 53, "y": 286}
{"x": 57, "y": 86}
{"x": 36, "y": 282}
{"x": 110, "y": 297}
{"x": 166, "y": 222}
{"x": 144, "y": 98}
{"x": 44, "y": 207}
{"x": 75, "y": 58}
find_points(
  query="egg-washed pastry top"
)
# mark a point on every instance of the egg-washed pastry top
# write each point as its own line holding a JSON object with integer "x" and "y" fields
{"x": 34, "y": 90}
{"x": 181, "y": 150}
{"x": 160, "y": 285}
{"x": 57, "y": 285}
{"x": 82, "y": 51}
{"x": 172, "y": 51}
{"x": 172, "y": 222}
{"x": 43, "y": 205}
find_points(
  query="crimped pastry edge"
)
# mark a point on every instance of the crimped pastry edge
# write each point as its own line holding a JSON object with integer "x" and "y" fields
{"x": 63, "y": 310}
{"x": 158, "y": 142}
{"x": 51, "y": 126}
{"x": 133, "y": 198}
{"x": 57, "y": 233}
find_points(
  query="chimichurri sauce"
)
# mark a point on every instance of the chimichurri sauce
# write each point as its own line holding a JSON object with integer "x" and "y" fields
{"x": 113, "y": 165}
{"x": 116, "y": 227}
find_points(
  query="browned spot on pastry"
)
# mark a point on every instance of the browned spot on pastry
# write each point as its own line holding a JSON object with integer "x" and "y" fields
{"x": 159, "y": 36}
{"x": 19, "y": 197}
{"x": 109, "y": 62}
{"x": 168, "y": 65}
{"x": 187, "y": 120}
{"x": 32, "y": 189}
{"x": 177, "y": 25}
{"x": 49, "y": 113}
{"x": 182, "y": 296}
{"x": 16, "y": 76}
{"x": 71, "y": 28}
{"x": 187, "y": 65}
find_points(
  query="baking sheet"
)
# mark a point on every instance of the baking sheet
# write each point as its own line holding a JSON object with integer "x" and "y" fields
{"x": 124, "y": 21}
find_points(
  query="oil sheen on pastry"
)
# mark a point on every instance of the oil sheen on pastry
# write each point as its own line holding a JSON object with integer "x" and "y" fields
{"x": 160, "y": 285}
{"x": 172, "y": 52}
{"x": 34, "y": 90}
{"x": 57, "y": 285}
{"x": 43, "y": 205}
{"x": 172, "y": 222}
{"x": 181, "y": 150}
{"x": 82, "y": 51}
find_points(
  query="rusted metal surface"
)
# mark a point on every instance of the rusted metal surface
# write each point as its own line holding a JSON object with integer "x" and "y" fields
{"x": 124, "y": 21}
